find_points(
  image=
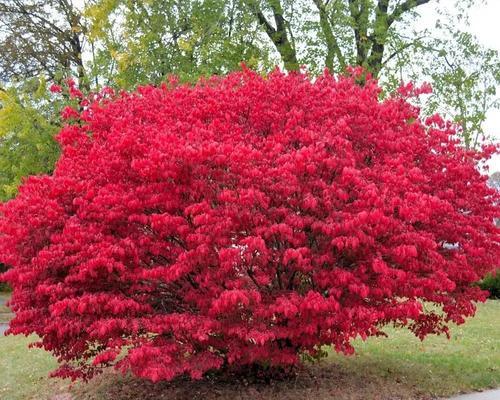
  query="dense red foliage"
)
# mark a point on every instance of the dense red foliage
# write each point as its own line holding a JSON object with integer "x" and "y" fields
{"x": 246, "y": 220}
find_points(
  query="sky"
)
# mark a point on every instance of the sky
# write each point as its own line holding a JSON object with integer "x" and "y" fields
{"x": 484, "y": 23}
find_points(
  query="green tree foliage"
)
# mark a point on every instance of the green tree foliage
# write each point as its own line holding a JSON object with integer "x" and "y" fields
{"x": 465, "y": 77}
{"x": 40, "y": 41}
{"x": 144, "y": 42}
{"x": 491, "y": 283}
{"x": 27, "y": 129}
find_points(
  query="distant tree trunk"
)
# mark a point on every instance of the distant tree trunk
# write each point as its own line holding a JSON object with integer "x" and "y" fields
{"x": 279, "y": 33}
{"x": 370, "y": 25}
{"x": 333, "y": 49}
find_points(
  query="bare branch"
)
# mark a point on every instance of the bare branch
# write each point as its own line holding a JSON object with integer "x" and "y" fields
{"x": 254, "y": 7}
{"x": 404, "y": 7}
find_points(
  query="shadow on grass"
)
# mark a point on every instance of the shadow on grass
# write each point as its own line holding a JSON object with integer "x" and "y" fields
{"x": 323, "y": 381}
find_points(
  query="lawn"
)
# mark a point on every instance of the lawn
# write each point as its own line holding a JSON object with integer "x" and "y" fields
{"x": 469, "y": 361}
{"x": 398, "y": 367}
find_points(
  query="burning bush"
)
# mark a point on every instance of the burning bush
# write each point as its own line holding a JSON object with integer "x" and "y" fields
{"x": 245, "y": 221}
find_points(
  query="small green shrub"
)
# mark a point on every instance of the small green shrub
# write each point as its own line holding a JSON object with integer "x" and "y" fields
{"x": 492, "y": 283}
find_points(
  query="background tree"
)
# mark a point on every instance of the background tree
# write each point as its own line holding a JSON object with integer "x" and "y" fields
{"x": 352, "y": 32}
{"x": 146, "y": 41}
{"x": 41, "y": 38}
{"x": 467, "y": 76}
{"x": 27, "y": 129}
{"x": 123, "y": 43}
{"x": 196, "y": 38}
{"x": 40, "y": 41}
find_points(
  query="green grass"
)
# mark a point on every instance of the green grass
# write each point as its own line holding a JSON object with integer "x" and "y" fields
{"x": 400, "y": 365}
{"x": 469, "y": 361}
{"x": 24, "y": 370}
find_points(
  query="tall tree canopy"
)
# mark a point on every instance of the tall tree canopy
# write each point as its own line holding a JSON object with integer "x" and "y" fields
{"x": 186, "y": 38}
{"x": 123, "y": 43}
{"x": 40, "y": 38}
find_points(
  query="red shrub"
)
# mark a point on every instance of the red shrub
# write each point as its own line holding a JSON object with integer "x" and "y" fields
{"x": 245, "y": 220}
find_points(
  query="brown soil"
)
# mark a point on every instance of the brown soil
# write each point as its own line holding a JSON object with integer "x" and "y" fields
{"x": 319, "y": 382}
